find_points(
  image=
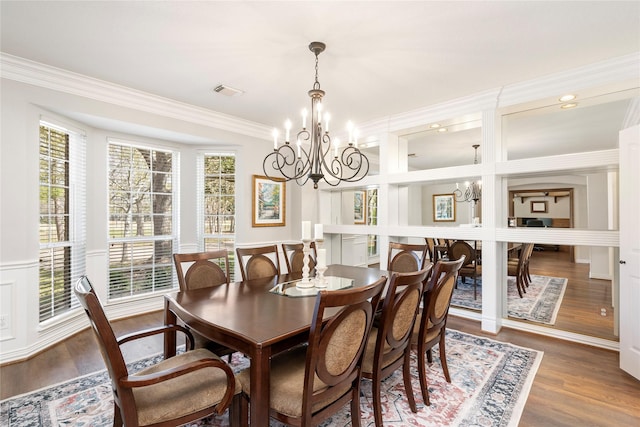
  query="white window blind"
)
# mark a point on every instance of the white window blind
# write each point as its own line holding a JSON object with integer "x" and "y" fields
{"x": 62, "y": 225}
{"x": 216, "y": 203}
{"x": 142, "y": 219}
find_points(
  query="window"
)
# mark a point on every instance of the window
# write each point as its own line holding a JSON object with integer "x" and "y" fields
{"x": 62, "y": 226}
{"x": 142, "y": 224}
{"x": 217, "y": 201}
{"x": 372, "y": 219}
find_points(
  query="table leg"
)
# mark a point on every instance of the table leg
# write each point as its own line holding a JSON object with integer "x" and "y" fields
{"x": 260, "y": 387}
{"x": 169, "y": 337}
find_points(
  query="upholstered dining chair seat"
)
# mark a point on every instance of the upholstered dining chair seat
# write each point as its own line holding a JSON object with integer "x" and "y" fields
{"x": 197, "y": 390}
{"x": 287, "y": 383}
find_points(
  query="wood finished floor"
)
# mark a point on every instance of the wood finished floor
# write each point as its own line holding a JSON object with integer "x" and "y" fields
{"x": 576, "y": 385}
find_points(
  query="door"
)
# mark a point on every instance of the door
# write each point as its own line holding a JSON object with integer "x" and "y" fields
{"x": 630, "y": 250}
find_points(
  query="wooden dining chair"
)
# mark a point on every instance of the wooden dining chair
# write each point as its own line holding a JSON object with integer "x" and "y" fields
{"x": 518, "y": 268}
{"x": 431, "y": 328}
{"x": 172, "y": 392}
{"x": 471, "y": 267}
{"x": 294, "y": 256}
{"x": 405, "y": 257}
{"x": 311, "y": 383}
{"x": 203, "y": 270}
{"x": 389, "y": 344}
{"x": 258, "y": 262}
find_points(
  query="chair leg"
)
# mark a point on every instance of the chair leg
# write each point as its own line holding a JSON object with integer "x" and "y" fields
{"x": 429, "y": 356}
{"x": 406, "y": 376}
{"x": 422, "y": 374}
{"x": 377, "y": 401}
{"x": 117, "y": 416}
{"x": 443, "y": 356}
{"x": 355, "y": 408}
{"x": 475, "y": 287}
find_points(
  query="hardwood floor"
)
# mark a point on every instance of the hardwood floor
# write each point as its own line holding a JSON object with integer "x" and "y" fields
{"x": 576, "y": 385}
{"x": 584, "y": 298}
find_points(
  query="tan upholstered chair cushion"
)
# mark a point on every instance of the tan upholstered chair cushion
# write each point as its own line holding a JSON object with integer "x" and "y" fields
{"x": 260, "y": 266}
{"x": 197, "y": 390}
{"x": 204, "y": 275}
{"x": 287, "y": 381}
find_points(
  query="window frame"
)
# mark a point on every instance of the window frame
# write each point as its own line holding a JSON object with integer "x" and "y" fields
{"x": 157, "y": 284}
{"x": 75, "y": 224}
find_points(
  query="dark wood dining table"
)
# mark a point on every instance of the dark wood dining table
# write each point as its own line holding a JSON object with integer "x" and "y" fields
{"x": 249, "y": 318}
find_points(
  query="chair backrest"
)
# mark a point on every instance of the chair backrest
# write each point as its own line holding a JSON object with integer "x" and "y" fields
{"x": 405, "y": 257}
{"x": 460, "y": 248}
{"x": 294, "y": 256}
{"x": 399, "y": 310}
{"x": 437, "y": 297}
{"x": 107, "y": 340}
{"x": 258, "y": 262}
{"x": 336, "y": 347}
{"x": 203, "y": 270}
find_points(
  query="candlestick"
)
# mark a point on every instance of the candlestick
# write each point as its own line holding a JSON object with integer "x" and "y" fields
{"x": 318, "y": 232}
{"x": 305, "y": 282}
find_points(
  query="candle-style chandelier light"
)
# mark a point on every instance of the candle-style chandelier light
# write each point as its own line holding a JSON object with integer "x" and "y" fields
{"x": 314, "y": 154}
{"x": 473, "y": 190}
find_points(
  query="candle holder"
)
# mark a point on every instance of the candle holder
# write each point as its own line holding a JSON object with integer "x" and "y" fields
{"x": 320, "y": 280}
{"x": 305, "y": 282}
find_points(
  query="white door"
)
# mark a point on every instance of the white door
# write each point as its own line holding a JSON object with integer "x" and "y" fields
{"x": 630, "y": 250}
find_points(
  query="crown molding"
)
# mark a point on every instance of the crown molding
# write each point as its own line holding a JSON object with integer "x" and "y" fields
{"x": 45, "y": 76}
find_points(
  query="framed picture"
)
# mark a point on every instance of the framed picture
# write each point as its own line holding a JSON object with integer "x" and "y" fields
{"x": 359, "y": 207}
{"x": 269, "y": 197}
{"x": 540, "y": 206}
{"x": 444, "y": 208}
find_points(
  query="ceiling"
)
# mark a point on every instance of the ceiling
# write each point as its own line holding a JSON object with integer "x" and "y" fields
{"x": 382, "y": 57}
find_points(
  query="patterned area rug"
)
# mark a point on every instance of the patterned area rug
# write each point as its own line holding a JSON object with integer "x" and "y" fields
{"x": 540, "y": 304}
{"x": 490, "y": 382}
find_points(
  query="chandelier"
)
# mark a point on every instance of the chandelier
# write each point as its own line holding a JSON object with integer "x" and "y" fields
{"x": 314, "y": 154}
{"x": 473, "y": 190}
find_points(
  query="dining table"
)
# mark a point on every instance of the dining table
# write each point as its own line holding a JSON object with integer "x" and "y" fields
{"x": 259, "y": 318}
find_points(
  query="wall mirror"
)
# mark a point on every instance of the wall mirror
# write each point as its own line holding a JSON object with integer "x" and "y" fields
{"x": 423, "y": 198}
{"x": 444, "y": 143}
{"x": 564, "y": 294}
{"x": 589, "y": 122}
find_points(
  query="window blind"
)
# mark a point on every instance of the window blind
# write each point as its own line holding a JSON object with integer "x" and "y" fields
{"x": 216, "y": 203}
{"x": 62, "y": 225}
{"x": 142, "y": 219}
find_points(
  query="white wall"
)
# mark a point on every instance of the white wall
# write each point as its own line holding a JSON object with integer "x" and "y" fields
{"x": 22, "y": 107}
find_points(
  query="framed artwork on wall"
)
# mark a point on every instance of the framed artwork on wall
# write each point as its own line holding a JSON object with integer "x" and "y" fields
{"x": 269, "y": 202}
{"x": 360, "y": 207}
{"x": 444, "y": 208}
{"x": 539, "y": 206}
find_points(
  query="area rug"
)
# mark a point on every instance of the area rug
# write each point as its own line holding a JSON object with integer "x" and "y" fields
{"x": 539, "y": 304}
{"x": 490, "y": 382}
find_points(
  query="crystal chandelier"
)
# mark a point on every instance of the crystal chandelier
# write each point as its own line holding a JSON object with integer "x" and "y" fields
{"x": 473, "y": 190}
{"x": 314, "y": 154}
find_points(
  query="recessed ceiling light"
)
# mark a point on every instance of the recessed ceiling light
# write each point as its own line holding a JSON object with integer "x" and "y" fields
{"x": 442, "y": 130}
{"x": 435, "y": 126}
{"x": 569, "y": 105}
{"x": 567, "y": 97}
{"x": 227, "y": 90}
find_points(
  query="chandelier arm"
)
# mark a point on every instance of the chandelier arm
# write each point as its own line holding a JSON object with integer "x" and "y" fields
{"x": 285, "y": 161}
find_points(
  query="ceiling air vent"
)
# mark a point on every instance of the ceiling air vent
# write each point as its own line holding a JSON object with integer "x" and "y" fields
{"x": 227, "y": 90}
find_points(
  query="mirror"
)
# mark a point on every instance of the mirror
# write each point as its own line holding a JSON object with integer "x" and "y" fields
{"x": 574, "y": 296}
